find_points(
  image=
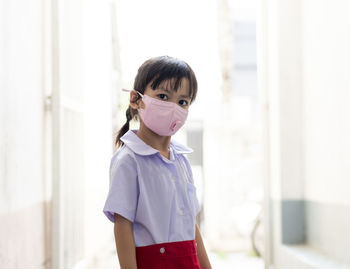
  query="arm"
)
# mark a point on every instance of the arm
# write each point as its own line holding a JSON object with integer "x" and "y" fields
{"x": 202, "y": 254}
{"x": 125, "y": 244}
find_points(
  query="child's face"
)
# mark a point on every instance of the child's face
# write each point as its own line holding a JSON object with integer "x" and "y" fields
{"x": 164, "y": 92}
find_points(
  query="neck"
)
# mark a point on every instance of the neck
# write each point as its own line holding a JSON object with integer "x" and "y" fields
{"x": 154, "y": 140}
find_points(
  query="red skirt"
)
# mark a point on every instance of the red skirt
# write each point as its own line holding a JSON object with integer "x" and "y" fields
{"x": 173, "y": 255}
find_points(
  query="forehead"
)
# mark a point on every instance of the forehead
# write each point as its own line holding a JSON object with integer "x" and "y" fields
{"x": 169, "y": 85}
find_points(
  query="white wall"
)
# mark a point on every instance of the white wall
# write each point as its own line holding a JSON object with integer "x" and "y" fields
{"x": 97, "y": 84}
{"x": 21, "y": 105}
{"x": 326, "y": 96}
{"x": 305, "y": 67}
{"x": 28, "y": 72}
{"x": 22, "y": 182}
{"x": 85, "y": 88}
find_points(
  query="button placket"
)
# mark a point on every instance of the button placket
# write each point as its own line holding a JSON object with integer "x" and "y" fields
{"x": 191, "y": 189}
{"x": 181, "y": 178}
{"x": 187, "y": 181}
{"x": 181, "y": 205}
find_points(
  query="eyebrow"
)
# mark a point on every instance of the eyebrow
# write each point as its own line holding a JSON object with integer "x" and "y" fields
{"x": 170, "y": 92}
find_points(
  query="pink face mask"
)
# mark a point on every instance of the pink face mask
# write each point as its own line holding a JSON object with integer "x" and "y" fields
{"x": 162, "y": 117}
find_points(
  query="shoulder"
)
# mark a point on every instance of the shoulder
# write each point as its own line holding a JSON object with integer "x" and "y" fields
{"x": 123, "y": 156}
{"x": 123, "y": 167}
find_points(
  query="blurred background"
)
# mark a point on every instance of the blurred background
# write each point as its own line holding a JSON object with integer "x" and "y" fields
{"x": 270, "y": 126}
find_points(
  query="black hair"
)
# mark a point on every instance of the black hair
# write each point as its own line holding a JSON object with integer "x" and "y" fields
{"x": 155, "y": 71}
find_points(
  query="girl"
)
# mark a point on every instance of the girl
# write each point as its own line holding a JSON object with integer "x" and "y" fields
{"x": 152, "y": 199}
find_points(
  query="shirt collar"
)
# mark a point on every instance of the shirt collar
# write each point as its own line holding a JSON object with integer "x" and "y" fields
{"x": 137, "y": 145}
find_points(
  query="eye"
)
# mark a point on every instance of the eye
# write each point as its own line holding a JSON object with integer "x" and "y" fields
{"x": 163, "y": 96}
{"x": 183, "y": 103}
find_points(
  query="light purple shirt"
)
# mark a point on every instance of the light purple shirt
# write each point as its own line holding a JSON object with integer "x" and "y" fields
{"x": 156, "y": 194}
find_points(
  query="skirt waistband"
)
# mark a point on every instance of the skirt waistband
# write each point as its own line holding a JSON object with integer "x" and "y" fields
{"x": 167, "y": 250}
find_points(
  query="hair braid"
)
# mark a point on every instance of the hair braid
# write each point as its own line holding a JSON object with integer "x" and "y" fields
{"x": 124, "y": 128}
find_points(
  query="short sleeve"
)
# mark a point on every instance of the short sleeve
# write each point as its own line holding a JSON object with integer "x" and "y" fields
{"x": 123, "y": 192}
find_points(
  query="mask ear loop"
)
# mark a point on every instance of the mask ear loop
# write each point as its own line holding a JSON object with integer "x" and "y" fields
{"x": 125, "y": 90}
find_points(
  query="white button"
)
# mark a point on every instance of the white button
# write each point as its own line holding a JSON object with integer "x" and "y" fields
{"x": 162, "y": 250}
{"x": 181, "y": 211}
{"x": 173, "y": 178}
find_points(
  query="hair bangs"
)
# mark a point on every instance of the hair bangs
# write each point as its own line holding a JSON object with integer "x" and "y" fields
{"x": 167, "y": 71}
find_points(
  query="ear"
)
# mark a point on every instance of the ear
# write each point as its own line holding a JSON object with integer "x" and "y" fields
{"x": 134, "y": 100}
